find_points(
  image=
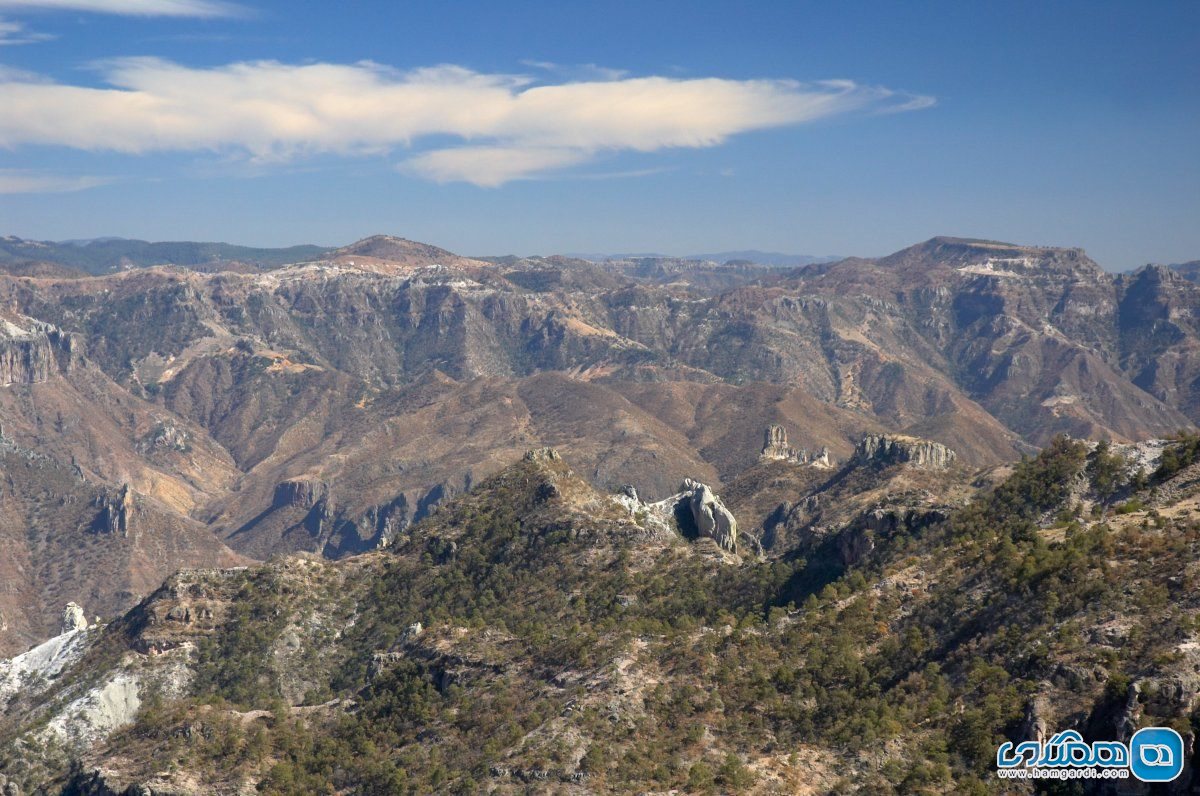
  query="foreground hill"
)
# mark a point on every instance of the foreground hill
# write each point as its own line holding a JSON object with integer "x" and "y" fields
{"x": 540, "y": 634}
{"x": 328, "y": 405}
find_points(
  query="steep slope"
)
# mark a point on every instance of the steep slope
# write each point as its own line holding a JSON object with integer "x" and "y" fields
{"x": 68, "y": 539}
{"x": 539, "y": 634}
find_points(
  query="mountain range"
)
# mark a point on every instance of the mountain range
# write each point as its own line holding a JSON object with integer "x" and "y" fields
{"x": 105, "y": 255}
{"x": 327, "y": 406}
{"x": 295, "y": 510}
{"x": 903, "y": 616}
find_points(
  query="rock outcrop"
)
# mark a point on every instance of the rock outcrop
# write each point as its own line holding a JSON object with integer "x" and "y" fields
{"x": 1034, "y": 725}
{"x": 73, "y": 618}
{"x": 116, "y": 511}
{"x": 707, "y": 514}
{"x": 776, "y": 448}
{"x": 921, "y": 454}
{"x": 303, "y": 493}
{"x": 695, "y": 511}
{"x": 33, "y": 351}
{"x": 166, "y": 436}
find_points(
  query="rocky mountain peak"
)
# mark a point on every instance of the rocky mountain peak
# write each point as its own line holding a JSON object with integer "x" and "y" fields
{"x": 1157, "y": 274}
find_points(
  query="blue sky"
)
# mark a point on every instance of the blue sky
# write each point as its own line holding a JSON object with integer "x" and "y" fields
{"x": 489, "y": 128}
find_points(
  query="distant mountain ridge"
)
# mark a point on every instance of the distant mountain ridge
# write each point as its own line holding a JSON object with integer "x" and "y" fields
{"x": 1189, "y": 270}
{"x": 776, "y": 259}
{"x": 106, "y": 255}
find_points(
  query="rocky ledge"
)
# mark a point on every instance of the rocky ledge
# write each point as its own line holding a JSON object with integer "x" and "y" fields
{"x": 886, "y": 449}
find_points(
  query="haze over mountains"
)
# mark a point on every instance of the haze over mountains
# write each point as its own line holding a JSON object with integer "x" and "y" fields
{"x": 741, "y": 255}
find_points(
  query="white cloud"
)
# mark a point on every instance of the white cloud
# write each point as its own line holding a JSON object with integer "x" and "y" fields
{"x": 141, "y": 8}
{"x": 13, "y": 32}
{"x": 490, "y": 166}
{"x": 13, "y": 181}
{"x": 508, "y": 126}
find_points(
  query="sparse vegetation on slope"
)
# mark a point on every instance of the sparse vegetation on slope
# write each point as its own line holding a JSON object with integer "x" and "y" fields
{"x": 533, "y": 634}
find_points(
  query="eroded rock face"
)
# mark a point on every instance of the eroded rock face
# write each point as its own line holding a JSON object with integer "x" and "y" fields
{"x": 302, "y": 492}
{"x": 116, "y": 511}
{"x": 776, "y": 448}
{"x": 711, "y": 518}
{"x": 1034, "y": 725}
{"x": 32, "y": 351}
{"x": 922, "y": 454}
{"x": 73, "y": 618}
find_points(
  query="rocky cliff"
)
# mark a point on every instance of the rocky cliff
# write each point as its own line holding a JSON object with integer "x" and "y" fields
{"x": 31, "y": 351}
{"x": 897, "y": 449}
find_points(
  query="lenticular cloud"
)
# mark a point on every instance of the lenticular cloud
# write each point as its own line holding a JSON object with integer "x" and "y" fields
{"x": 507, "y": 126}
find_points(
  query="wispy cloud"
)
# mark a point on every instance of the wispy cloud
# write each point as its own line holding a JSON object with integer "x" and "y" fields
{"x": 510, "y": 126}
{"x": 13, "y": 32}
{"x": 490, "y": 166}
{"x": 141, "y": 8}
{"x": 16, "y": 181}
{"x": 623, "y": 175}
{"x": 577, "y": 71}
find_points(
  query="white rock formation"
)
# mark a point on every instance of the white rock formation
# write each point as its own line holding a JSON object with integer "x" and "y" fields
{"x": 73, "y": 618}
{"x": 712, "y": 519}
{"x": 695, "y": 508}
{"x": 39, "y": 665}
{"x": 100, "y": 711}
